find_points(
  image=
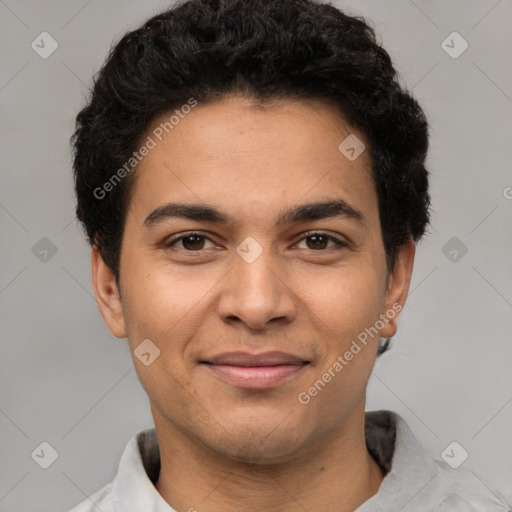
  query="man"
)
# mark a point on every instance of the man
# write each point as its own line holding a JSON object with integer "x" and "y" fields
{"x": 251, "y": 178}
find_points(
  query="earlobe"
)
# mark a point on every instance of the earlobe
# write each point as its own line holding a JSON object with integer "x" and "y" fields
{"x": 107, "y": 294}
{"x": 398, "y": 287}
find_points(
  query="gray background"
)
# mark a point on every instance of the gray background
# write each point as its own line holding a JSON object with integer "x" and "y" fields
{"x": 65, "y": 380}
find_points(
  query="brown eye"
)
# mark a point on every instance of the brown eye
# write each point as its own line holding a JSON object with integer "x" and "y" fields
{"x": 193, "y": 242}
{"x": 190, "y": 242}
{"x": 320, "y": 241}
{"x": 317, "y": 242}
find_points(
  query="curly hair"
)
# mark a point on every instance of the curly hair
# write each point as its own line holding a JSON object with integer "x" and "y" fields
{"x": 283, "y": 49}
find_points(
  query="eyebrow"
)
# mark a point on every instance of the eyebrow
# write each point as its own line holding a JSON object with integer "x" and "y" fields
{"x": 295, "y": 215}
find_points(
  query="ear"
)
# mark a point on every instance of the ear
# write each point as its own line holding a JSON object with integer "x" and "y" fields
{"x": 398, "y": 287}
{"x": 107, "y": 294}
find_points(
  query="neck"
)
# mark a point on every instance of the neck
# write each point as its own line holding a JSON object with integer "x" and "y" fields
{"x": 336, "y": 474}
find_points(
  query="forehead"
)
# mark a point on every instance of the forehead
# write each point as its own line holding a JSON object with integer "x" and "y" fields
{"x": 251, "y": 159}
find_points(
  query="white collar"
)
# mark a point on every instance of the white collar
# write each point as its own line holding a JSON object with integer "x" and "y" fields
{"x": 415, "y": 481}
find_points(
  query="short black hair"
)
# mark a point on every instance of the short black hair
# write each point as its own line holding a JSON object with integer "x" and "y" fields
{"x": 207, "y": 50}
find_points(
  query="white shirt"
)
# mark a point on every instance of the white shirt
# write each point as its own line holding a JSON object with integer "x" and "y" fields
{"x": 414, "y": 481}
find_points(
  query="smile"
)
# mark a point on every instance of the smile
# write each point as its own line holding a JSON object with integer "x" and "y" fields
{"x": 255, "y": 371}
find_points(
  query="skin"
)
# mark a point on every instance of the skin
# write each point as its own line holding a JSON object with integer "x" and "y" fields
{"x": 224, "y": 447}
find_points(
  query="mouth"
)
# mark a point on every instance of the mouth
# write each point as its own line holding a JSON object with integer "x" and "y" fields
{"x": 255, "y": 371}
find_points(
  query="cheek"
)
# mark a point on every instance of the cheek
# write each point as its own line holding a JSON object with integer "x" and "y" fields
{"x": 348, "y": 306}
{"x": 164, "y": 308}
{"x": 161, "y": 301}
{"x": 346, "y": 302}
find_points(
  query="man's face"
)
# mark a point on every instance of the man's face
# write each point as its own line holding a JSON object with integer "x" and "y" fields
{"x": 257, "y": 284}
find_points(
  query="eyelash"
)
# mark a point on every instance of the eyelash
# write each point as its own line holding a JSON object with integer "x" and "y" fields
{"x": 339, "y": 243}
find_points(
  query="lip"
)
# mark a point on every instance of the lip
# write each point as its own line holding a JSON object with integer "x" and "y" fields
{"x": 255, "y": 371}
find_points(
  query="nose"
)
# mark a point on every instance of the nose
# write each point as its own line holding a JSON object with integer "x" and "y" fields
{"x": 256, "y": 293}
